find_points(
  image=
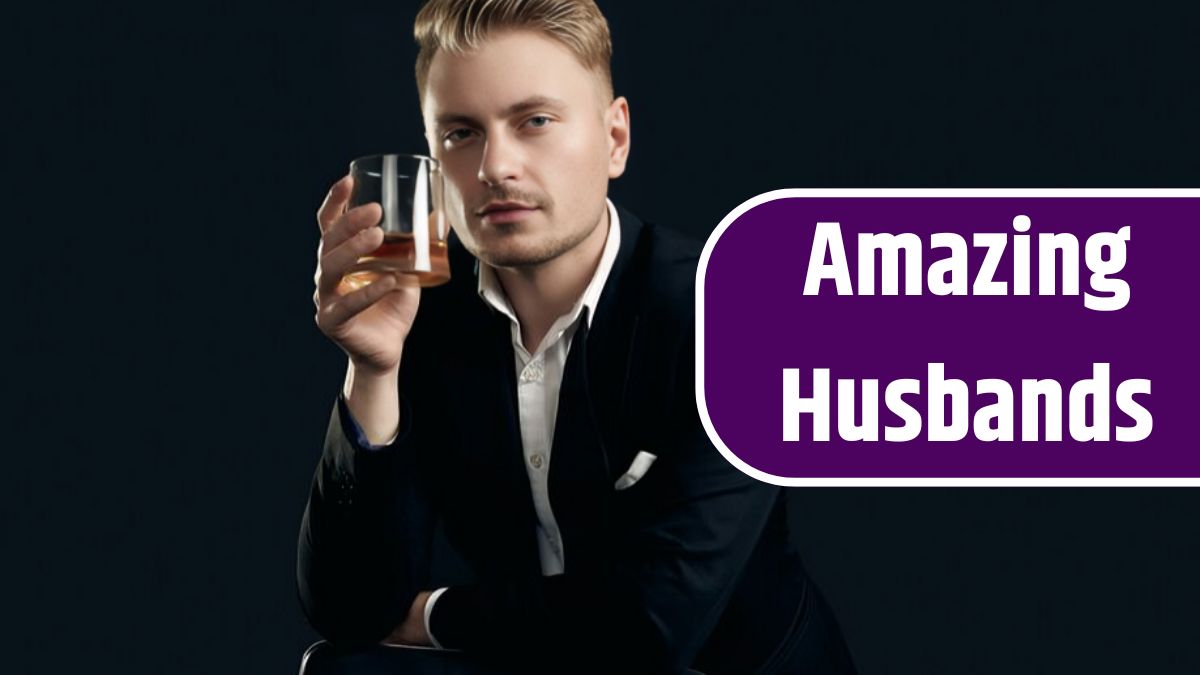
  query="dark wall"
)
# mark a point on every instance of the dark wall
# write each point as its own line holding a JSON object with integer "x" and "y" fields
{"x": 170, "y": 389}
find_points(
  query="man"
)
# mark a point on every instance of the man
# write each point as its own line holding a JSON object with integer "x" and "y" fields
{"x": 540, "y": 405}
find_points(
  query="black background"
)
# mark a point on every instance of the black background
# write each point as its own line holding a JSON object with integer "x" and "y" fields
{"x": 169, "y": 389}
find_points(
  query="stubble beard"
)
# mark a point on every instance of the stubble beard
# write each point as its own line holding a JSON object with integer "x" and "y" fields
{"x": 539, "y": 253}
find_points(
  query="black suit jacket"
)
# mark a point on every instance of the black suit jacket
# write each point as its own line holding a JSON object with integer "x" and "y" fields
{"x": 691, "y": 566}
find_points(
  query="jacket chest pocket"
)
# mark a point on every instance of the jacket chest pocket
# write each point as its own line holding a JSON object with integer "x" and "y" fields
{"x": 639, "y": 466}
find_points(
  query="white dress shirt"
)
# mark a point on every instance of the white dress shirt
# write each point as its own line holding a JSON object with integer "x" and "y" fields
{"x": 539, "y": 378}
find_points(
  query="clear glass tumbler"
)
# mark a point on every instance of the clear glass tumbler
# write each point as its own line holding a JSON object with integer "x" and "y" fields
{"x": 409, "y": 188}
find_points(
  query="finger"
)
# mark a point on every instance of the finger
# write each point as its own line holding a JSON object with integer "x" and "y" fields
{"x": 346, "y": 307}
{"x": 351, "y": 223}
{"x": 335, "y": 264}
{"x": 334, "y": 202}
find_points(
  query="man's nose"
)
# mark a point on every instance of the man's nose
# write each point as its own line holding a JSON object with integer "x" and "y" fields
{"x": 501, "y": 160}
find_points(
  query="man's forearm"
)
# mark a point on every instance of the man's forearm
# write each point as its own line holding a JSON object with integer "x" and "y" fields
{"x": 360, "y": 563}
{"x": 374, "y": 401}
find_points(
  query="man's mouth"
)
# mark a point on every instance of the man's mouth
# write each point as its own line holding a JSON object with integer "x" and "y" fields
{"x": 505, "y": 211}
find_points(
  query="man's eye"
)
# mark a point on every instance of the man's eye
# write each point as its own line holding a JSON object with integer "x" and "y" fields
{"x": 457, "y": 135}
{"x": 538, "y": 121}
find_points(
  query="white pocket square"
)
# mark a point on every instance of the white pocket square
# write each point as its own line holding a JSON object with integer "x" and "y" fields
{"x": 636, "y": 470}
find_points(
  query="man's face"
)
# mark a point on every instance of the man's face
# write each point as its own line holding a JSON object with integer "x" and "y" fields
{"x": 527, "y": 143}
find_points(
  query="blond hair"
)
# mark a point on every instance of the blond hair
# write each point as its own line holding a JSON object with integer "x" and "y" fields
{"x": 459, "y": 26}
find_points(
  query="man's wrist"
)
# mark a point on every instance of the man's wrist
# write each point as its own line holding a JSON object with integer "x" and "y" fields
{"x": 412, "y": 630}
{"x": 373, "y": 401}
{"x": 367, "y": 380}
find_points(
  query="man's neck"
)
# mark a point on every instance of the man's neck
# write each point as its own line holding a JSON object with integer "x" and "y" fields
{"x": 541, "y": 294}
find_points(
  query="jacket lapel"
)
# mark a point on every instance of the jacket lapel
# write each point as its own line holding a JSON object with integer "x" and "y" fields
{"x": 587, "y": 438}
{"x": 614, "y": 331}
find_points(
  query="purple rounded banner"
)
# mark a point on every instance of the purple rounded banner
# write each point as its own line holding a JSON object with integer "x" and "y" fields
{"x": 953, "y": 337}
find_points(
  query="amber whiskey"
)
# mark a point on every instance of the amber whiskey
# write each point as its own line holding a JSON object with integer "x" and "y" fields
{"x": 398, "y": 253}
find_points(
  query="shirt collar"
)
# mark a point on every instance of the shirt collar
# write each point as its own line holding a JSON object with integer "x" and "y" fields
{"x": 493, "y": 293}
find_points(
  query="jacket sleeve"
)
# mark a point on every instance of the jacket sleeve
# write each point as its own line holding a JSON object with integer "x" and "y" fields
{"x": 365, "y": 538}
{"x": 654, "y": 606}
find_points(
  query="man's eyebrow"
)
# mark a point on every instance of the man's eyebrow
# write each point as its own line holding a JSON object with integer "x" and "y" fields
{"x": 450, "y": 119}
{"x": 531, "y": 103}
{"x": 534, "y": 102}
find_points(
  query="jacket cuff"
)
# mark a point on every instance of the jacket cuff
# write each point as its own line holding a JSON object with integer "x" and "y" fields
{"x": 353, "y": 473}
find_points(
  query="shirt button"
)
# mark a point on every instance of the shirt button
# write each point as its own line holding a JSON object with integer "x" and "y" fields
{"x": 536, "y": 461}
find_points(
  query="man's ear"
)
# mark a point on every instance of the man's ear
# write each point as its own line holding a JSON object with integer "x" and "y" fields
{"x": 617, "y": 122}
